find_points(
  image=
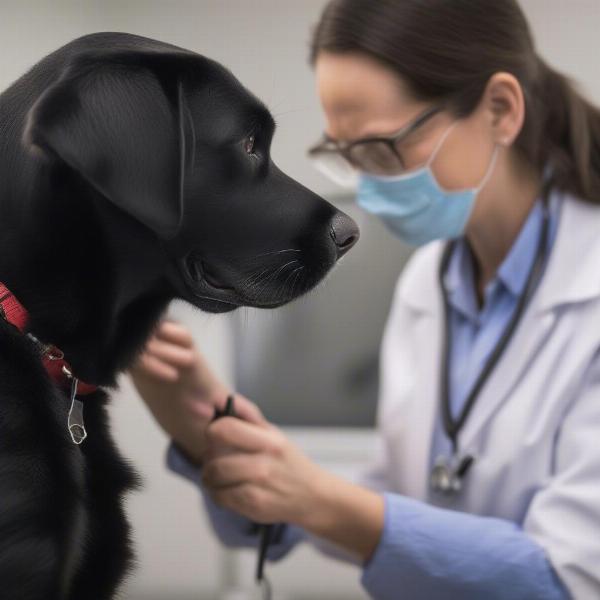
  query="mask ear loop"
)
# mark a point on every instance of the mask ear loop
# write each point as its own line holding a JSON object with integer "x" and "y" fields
{"x": 490, "y": 170}
{"x": 439, "y": 145}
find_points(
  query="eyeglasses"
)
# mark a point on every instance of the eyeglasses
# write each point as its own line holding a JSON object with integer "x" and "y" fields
{"x": 377, "y": 155}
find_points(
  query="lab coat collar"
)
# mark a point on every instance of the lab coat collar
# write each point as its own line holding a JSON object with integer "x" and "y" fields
{"x": 573, "y": 270}
{"x": 513, "y": 271}
{"x": 419, "y": 286}
{"x": 459, "y": 282}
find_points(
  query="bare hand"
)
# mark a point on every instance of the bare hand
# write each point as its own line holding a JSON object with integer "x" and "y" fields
{"x": 255, "y": 470}
{"x": 181, "y": 390}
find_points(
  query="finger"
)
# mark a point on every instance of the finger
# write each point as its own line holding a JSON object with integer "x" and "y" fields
{"x": 233, "y": 433}
{"x": 171, "y": 354}
{"x": 235, "y": 469}
{"x": 204, "y": 410}
{"x": 152, "y": 366}
{"x": 171, "y": 331}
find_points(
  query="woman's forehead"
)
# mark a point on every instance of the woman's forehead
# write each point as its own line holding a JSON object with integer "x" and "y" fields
{"x": 360, "y": 96}
{"x": 351, "y": 80}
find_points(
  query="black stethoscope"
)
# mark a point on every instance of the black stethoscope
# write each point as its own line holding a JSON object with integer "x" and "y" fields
{"x": 448, "y": 473}
{"x": 269, "y": 533}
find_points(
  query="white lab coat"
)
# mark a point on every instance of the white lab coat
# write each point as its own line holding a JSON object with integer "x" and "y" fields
{"x": 535, "y": 428}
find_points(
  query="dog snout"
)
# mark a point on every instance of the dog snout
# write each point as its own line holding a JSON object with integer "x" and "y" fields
{"x": 345, "y": 233}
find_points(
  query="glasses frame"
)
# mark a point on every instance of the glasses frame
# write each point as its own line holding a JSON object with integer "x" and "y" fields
{"x": 329, "y": 145}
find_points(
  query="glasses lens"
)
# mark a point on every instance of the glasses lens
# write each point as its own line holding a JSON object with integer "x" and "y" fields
{"x": 334, "y": 166}
{"x": 376, "y": 158}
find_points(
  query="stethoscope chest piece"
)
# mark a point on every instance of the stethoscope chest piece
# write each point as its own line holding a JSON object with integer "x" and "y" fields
{"x": 447, "y": 474}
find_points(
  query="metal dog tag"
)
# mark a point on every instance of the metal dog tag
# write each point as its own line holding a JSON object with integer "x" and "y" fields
{"x": 75, "y": 420}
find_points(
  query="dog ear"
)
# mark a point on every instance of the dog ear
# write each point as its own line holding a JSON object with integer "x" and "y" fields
{"x": 120, "y": 130}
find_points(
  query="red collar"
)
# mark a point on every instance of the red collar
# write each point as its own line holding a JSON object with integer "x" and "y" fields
{"x": 53, "y": 359}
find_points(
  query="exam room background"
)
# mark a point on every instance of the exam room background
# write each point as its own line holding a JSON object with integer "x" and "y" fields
{"x": 312, "y": 365}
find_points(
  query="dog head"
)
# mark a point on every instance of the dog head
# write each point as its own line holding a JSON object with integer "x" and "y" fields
{"x": 174, "y": 143}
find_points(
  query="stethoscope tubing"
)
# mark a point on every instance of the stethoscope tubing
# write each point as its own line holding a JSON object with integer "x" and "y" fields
{"x": 452, "y": 426}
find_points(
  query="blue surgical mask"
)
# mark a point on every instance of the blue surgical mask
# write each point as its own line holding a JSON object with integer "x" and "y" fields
{"x": 414, "y": 205}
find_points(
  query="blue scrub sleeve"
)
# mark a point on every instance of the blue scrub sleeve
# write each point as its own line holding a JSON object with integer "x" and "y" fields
{"x": 429, "y": 553}
{"x": 234, "y": 530}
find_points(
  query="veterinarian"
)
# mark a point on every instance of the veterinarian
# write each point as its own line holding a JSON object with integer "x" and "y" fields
{"x": 468, "y": 145}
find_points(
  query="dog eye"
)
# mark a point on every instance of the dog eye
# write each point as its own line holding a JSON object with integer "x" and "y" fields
{"x": 249, "y": 144}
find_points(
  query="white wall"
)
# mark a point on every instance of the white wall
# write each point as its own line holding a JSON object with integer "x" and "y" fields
{"x": 265, "y": 43}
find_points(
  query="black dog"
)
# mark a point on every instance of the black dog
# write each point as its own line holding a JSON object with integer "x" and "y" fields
{"x": 132, "y": 172}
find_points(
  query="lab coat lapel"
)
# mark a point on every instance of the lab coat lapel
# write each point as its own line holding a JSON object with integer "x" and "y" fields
{"x": 410, "y": 426}
{"x": 424, "y": 407}
{"x": 571, "y": 277}
{"x": 529, "y": 337}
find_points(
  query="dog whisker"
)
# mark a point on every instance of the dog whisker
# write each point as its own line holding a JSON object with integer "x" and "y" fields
{"x": 294, "y": 275}
{"x": 254, "y": 278}
{"x": 298, "y": 272}
{"x": 276, "y": 252}
{"x": 274, "y": 275}
{"x": 280, "y": 291}
{"x": 287, "y": 112}
{"x": 284, "y": 284}
{"x": 203, "y": 297}
{"x": 262, "y": 255}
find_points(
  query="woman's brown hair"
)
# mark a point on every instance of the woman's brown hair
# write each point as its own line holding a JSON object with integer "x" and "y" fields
{"x": 448, "y": 49}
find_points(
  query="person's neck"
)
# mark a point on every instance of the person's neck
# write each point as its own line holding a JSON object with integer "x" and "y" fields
{"x": 501, "y": 213}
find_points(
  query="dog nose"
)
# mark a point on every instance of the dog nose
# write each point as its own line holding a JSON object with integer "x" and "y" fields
{"x": 345, "y": 233}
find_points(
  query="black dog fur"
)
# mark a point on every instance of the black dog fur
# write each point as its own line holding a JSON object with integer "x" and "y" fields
{"x": 132, "y": 172}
